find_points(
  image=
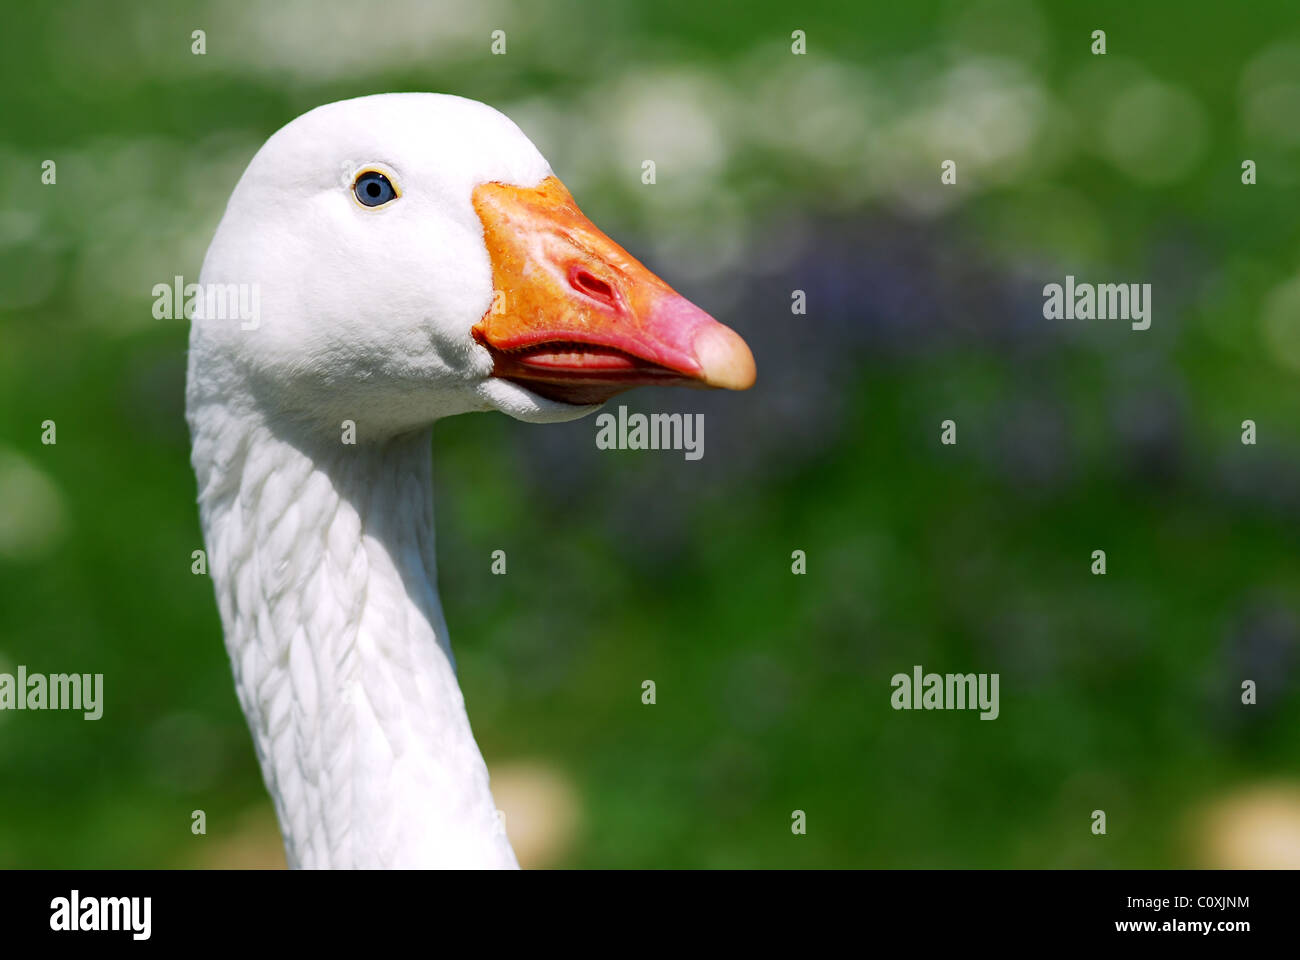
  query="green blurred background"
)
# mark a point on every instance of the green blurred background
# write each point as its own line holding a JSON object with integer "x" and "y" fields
{"x": 775, "y": 172}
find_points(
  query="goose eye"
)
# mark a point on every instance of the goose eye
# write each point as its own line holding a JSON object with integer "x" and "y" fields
{"x": 373, "y": 189}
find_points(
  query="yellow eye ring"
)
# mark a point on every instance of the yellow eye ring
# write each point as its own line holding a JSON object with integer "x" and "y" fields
{"x": 372, "y": 188}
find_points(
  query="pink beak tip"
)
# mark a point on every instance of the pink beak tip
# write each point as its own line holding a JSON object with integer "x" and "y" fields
{"x": 724, "y": 357}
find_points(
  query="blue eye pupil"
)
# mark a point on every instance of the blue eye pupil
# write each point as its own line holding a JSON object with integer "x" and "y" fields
{"x": 373, "y": 189}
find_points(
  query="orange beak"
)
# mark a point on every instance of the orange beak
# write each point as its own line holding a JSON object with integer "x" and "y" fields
{"x": 576, "y": 318}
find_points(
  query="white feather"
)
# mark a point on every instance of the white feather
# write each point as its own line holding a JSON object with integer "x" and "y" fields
{"x": 322, "y": 552}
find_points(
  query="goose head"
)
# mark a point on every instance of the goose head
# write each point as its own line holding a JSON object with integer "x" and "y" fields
{"x": 413, "y": 256}
{"x": 405, "y": 257}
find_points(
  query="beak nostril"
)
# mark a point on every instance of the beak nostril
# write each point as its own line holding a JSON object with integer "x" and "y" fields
{"x": 588, "y": 283}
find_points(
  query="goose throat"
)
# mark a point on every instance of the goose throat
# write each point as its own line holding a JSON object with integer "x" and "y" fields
{"x": 323, "y": 559}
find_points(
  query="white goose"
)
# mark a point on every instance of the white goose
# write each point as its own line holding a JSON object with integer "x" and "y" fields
{"x": 414, "y": 258}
